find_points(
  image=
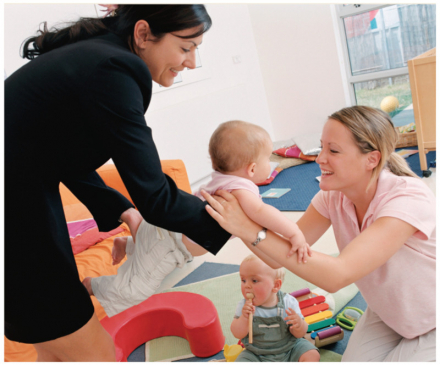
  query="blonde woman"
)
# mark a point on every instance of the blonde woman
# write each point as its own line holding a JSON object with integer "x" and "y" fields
{"x": 383, "y": 218}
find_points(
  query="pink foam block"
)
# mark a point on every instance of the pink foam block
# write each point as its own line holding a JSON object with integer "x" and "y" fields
{"x": 187, "y": 315}
{"x": 300, "y": 293}
{"x": 330, "y": 332}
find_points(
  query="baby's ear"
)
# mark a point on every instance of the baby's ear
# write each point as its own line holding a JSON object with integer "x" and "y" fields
{"x": 277, "y": 285}
{"x": 250, "y": 170}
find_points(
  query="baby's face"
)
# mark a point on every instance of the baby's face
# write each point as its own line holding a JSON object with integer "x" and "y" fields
{"x": 263, "y": 164}
{"x": 259, "y": 279}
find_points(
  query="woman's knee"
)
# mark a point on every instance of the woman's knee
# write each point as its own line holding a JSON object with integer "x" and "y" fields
{"x": 90, "y": 343}
{"x": 45, "y": 355}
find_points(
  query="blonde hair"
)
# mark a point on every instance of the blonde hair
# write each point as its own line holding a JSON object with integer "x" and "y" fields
{"x": 236, "y": 144}
{"x": 373, "y": 130}
{"x": 279, "y": 273}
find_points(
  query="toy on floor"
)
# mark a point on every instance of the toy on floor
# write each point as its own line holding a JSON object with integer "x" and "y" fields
{"x": 322, "y": 329}
{"x": 349, "y": 317}
{"x": 328, "y": 336}
{"x": 250, "y": 296}
{"x": 187, "y": 315}
{"x": 231, "y": 352}
{"x": 302, "y": 294}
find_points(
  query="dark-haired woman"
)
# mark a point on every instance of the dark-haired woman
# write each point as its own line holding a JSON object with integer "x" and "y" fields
{"x": 79, "y": 102}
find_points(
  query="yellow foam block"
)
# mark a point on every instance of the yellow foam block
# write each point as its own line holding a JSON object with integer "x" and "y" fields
{"x": 318, "y": 317}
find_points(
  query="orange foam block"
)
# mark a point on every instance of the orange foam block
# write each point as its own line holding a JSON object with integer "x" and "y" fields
{"x": 187, "y": 315}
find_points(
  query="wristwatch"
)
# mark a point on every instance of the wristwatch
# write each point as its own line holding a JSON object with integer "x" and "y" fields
{"x": 260, "y": 237}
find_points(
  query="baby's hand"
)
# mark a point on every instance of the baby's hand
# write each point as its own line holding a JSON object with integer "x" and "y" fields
{"x": 248, "y": 308}
{"x": 300, "y": 246}
{"x": 293, "y": 318}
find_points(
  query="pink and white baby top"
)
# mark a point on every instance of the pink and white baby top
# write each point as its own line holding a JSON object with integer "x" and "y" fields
{"x": 402, "y": 291}
{"x": 221, "y": 181}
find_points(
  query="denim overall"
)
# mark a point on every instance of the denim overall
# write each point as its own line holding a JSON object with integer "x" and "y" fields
{"x": 272, "y": 340}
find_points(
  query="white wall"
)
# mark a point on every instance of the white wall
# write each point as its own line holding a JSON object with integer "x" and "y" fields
{"x": 300, "y": 66}
{"x": 22, "y": 21}
{"x": 182, "y": 118}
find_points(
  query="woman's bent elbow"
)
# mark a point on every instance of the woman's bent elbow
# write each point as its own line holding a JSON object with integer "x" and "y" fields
{"x": 335, "y": 285}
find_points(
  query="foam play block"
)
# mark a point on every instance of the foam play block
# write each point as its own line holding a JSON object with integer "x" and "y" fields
{"x": 314, "y": 309}
{"x": 318, "y": 317}
{"x": 187, "y": 315}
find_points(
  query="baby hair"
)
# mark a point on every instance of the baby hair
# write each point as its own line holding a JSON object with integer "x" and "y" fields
{"x": 373, "y": 130}
{"x": 279, "y": 273}
{"x": 236, "y": 144}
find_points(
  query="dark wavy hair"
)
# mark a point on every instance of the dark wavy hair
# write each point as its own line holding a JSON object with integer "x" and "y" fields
{"x": 162, "y": 19}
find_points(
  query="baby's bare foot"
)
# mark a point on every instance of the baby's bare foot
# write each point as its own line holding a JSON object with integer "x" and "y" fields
{"x": 87, "y": 282}
{"x": 118, "y": 250}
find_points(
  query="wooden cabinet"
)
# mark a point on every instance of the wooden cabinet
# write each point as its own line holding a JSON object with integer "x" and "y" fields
{"x": 422, "y": 80}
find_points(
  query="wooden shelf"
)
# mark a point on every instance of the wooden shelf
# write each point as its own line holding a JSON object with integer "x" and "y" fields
{"x": 422, "y": 75}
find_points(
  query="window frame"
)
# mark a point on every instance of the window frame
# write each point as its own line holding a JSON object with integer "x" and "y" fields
{"x": 345, "y": 12}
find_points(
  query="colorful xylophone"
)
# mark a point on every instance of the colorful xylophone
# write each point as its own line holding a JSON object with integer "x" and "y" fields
{"x": 322, "y": 328}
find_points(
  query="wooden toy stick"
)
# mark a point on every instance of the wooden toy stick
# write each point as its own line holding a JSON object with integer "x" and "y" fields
{"x": 250, "y": 296}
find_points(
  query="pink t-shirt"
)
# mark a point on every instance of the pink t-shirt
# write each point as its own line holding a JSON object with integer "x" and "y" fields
{"x": 221, "y": 181}
{"x": 402, "y": 291}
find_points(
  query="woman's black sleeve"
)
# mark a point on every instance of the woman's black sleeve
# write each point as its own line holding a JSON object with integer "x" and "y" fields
{"x": 120, "y": 104}
{"x": 104, "y": 203}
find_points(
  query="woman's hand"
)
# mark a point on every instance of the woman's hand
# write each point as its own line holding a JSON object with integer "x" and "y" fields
{"x": 226, "y": 210}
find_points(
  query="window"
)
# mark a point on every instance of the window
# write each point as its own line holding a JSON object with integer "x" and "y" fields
{"x": 379, "y": 40}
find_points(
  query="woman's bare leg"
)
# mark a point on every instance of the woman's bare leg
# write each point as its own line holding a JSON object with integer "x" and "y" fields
{"x": 90, "y": 343}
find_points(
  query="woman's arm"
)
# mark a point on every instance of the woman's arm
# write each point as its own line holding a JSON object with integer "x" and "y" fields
{"x": 368, "y": 251}
{"x": 313, "y": 225}
{"x": 118, "y": 112}
{"x": 264, "y": 214}
{"x": 106, "y": 204}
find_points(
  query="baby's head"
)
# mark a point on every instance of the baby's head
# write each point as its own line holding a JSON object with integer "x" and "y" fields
{"x": 238, "y": 145}
{"x": 261, "y": 280}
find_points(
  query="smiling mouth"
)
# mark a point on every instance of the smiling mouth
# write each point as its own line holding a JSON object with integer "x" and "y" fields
{"x": 326, "y": 173}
